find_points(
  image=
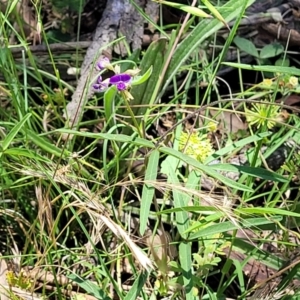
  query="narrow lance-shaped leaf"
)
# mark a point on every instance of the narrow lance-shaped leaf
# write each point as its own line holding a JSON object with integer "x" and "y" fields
{"x": 187, "y": 8}
{"x": 109, "y": 104}
{"x": 215, "y": 12}
{"x": 13, "y": 132}
{"x": 266, "y": 68}
{"x": 148, "y": 189}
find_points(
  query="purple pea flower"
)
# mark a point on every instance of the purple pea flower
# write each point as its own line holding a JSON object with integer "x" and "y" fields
{"x": 102, "y": 63}
{"x": 121, "y": 81}
{"x": 100, "y": 85}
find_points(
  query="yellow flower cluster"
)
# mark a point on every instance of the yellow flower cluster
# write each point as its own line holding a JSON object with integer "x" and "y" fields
{"x": 196, "y": 146}
{"x": 263, "y": 114}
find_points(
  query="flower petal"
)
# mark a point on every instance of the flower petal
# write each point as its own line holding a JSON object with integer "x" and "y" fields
{"x": 126, "y": 78}
{"x": 102, "y": 63}
{"x": 121, "y": 86}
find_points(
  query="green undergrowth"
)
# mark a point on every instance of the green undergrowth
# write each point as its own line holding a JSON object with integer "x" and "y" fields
{"x": 151, "y": 167}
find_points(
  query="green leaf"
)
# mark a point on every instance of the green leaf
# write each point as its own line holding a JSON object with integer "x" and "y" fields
{"x": 214, "y": 11}
{"x": 90, "y": 287}
{"x": 237, "y": 145}
{"x": 180, "y": 199}
{"x": 141, "y": 79}
{"x": 255, "y": 172}
{"x": 137, "y": 287}
{"x": 186, "y": 8}
{"x": 269, "y": 68}
{"x": 282, "y": 62}
{"x": 271, "y": 50}
{"x": 229, "y": 226}
{"x": 246, "y": 46}
{"x": 185, "y": 258}
{"x": 268, "y": 210}
{"x": 109, "y": 105}
{"x": 13, "y": 132}
{"x": 17, "y": 152}
{"x": 148, "y": 189}
{"x": 44, "y": 144}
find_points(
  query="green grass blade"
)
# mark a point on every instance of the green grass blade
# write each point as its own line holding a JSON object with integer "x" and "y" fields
{"x": 266, "y": 68}
{"x": 44, "y": 144}
{"x": 185, "y": 257}
{"x": 206, "y": 169}
{"x": 17, "y": 152}
{"x": 148, "y": 189}
{"x": 109, "y": 105}
{"x": 237, "y": 145}
{"x": 268, "y": 210}
{"x": 255, "y": 172}
{"x": 137, "y": 287}
{"x": 13, "y": 132}
{"x": 214, "y": 11}
{"x": 180, "y": 199}
{"x": 89, "y": 286}
{"x": 229, "y": 226}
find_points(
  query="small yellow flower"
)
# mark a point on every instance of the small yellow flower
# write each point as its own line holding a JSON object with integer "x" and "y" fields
{"x": 212, "y": 126}
{"x": 267, "y": 82}
{"x": 293, "y": 81}
{"x": 262, "y": 114}
{"x": 198, "y": 147}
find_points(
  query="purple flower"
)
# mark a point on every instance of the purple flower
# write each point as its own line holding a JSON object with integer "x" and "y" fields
{"x": 99, "y": 79}
{"x": 102, "y": 63}
{"x": 121, "y": 86}
{"x": 100, "y": 85}
{"x": 121, "y": 81}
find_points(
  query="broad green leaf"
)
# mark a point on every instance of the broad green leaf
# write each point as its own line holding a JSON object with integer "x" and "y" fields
{"x": 148, "y": 189}
{"x": 265, "y": 257}
{"x": 123, "y": 138}
{"x": 282, "y": 62}
{"x": 271, "y": 50}
{"x": 268, "y": 210}
{"x": 205, "y": 210}
{"x": 246, "y": 46}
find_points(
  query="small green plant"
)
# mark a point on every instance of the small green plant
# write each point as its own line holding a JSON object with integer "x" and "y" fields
{"x": 263, "y": 55}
